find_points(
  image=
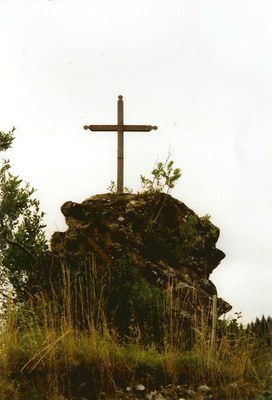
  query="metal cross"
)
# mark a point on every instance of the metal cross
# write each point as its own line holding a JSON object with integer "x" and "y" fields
{"x": 120, "y": 128}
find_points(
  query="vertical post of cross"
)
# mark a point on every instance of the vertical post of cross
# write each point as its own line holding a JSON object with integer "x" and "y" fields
{"x": 120, "y": 145}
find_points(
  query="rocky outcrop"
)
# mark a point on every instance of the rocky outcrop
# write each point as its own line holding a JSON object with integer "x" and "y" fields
{"x": 163, "y": 238}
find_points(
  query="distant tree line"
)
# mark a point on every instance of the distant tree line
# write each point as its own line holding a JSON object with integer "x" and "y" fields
{"x": 262, "y": 329}
{"x": 259, "y": 331}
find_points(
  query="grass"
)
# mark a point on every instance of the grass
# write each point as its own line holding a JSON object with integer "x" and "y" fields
{"x": 45, "y": 355}
{"x": 50, "y": 364}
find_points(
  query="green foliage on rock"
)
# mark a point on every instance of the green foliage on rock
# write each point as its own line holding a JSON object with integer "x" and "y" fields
{"x": 164, "y": 177}
{"x": 112, "y": 188}
{"x": 134, "y": 306}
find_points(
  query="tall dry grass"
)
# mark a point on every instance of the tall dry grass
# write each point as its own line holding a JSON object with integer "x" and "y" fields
{"x": 62, "y": 345}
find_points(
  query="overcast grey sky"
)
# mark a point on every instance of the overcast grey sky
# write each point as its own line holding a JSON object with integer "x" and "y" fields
{"x": 201, "y": 70}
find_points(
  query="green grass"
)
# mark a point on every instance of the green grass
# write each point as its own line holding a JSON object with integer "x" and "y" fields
{"x": 45, "y": 355}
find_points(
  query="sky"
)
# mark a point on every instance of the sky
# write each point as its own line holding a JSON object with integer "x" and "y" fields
{"x": 201, "y": 70}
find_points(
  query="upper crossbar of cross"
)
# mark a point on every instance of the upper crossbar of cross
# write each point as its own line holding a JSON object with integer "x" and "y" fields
{"x": 120, "y": 128}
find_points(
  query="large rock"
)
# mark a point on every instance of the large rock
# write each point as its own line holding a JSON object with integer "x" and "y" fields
{"x": 164, "y": 238}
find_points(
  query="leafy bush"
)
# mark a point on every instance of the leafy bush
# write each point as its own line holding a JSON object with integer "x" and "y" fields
{"x": 135, "y": 308}
{"x": 164, "y": 176}
{"x": 22, "y": 236}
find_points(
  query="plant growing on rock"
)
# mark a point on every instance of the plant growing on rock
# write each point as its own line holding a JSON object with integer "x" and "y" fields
{"x": 135, "y": 306}
{"x": 165, "y": 176}
{"x": 112, "y": 188}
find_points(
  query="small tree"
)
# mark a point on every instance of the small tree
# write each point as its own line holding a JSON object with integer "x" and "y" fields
{"x": 22, "y": 236}
{"x": 164, "y": 177}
